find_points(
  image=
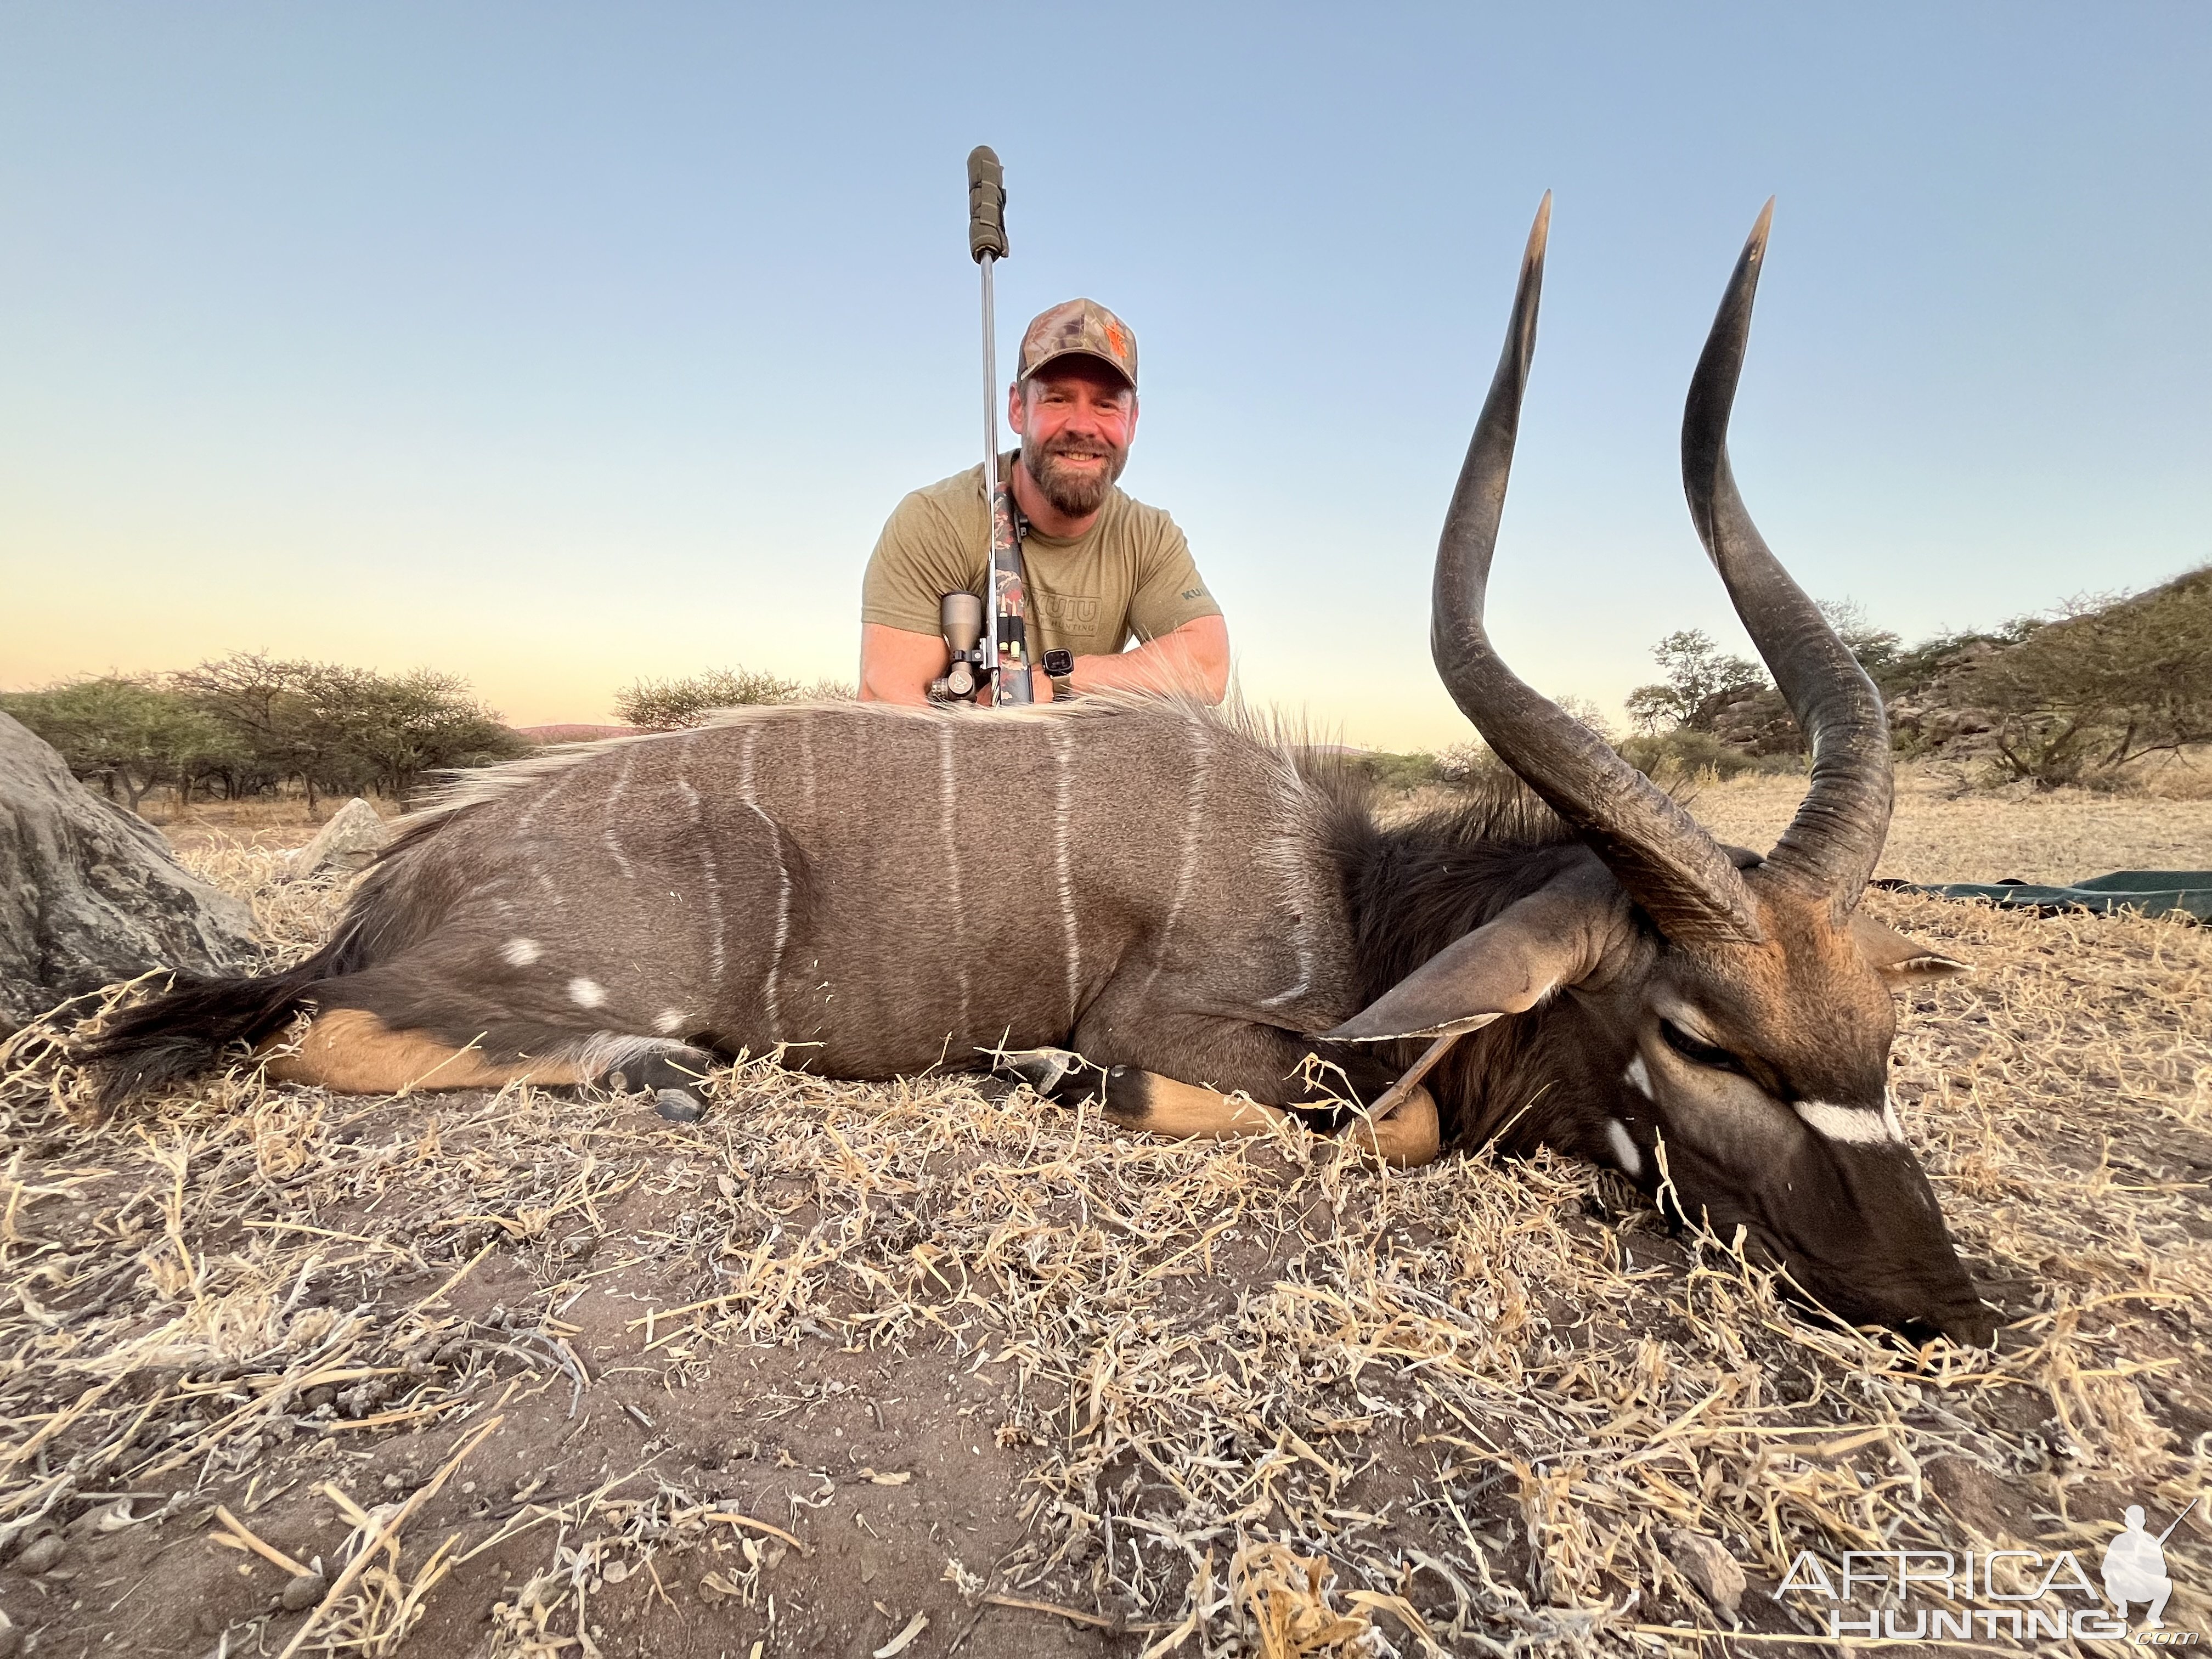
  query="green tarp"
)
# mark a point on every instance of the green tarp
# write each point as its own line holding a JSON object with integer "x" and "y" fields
{"x": 2153, "y": 892}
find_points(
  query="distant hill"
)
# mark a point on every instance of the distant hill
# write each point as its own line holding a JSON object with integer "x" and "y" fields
{"x": 544, "y": 735}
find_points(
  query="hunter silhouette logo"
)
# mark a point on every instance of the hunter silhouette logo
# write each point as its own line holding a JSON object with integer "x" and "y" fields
{"x": 1996, "y": 1594}
{"x": 2134, "y": 1567}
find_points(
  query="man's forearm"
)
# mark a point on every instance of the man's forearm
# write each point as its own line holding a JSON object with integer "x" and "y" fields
{"x": 898, "y": 665}
{"x": 1194, "y": 660}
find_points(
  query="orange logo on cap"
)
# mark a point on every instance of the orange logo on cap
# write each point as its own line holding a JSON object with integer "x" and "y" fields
{"x": 1114, "y": 338}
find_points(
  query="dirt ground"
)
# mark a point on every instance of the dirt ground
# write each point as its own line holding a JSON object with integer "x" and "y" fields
{"x": 925, "y": 1369}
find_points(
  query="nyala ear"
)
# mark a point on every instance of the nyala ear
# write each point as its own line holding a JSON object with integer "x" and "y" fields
{"x": 1553, "y": 938}
{"x": 1900, "y": 960}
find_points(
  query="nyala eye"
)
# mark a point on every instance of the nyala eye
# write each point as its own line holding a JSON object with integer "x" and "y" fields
{"x": 1697, "y": 1052}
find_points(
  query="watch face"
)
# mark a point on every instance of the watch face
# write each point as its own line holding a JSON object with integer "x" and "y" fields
{"x": 1058, "y": 664}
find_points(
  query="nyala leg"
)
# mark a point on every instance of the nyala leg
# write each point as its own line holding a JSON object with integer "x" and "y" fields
{"x": 1138, "y": 1099}
{"x": 350, "y": 1051}
{"x": 673, "y": 1073}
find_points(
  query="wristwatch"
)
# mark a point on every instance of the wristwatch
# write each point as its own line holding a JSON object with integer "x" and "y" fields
{"x": 1059, "y": 667}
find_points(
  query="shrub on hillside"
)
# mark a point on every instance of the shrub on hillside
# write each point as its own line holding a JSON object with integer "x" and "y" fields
{"x": 2093, "y": 692}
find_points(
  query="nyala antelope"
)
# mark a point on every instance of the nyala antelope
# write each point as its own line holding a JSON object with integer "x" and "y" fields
{"x": 1215, "y": 924}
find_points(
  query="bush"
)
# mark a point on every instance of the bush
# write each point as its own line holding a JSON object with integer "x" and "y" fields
{"x": 126, "y": 733}
{"x": 673, "y": 705}
{"x": 2096, "y": 691}
{"x": 1697, "y": 672}
{"x": 1386, "y": 770}
{"x": 1669, "y": 757}
{"x": 344, "y": 730}
{"x": 248, "y": 722}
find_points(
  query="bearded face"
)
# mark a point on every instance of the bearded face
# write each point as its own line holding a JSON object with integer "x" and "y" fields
{"x": 1075, "y": 470}
{"x": 1076, "y": 418}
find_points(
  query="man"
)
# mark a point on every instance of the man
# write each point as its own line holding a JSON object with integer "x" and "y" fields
{"x": 1100, "y": 566}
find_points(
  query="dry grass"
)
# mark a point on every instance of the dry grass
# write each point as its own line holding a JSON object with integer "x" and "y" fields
{"x": 1943, "y": 833}
{"x": 219, "y": 827}
{"x": 530, "y": 1375}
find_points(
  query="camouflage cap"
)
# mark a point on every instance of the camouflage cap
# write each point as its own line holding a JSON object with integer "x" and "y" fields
{"x": 1079, "y": 326}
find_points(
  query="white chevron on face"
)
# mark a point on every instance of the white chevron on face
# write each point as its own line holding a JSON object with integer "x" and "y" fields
{"x": 1853, "y": 1126}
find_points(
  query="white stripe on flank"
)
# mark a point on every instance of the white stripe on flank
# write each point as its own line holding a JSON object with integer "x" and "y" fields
{"x": 1194, "y": 814}
{"x": 1286, "y": 853}
{"x": 1616, "y": 1136}
{"x": 1063, "y": 783}
{"x": 782, "y": 887}
{"x": 525, "y": 839}
{"x": 521, "y": 952}
{"x": 948, "y": 813}
{"x": 587, "y": 993}
{"x": 1853, "y": 1126}
{"x": 607, "y": 836}
{"x": 717, "y": 954}
{"x": 530, "y": 813}
{"x": 1193, "y": 817}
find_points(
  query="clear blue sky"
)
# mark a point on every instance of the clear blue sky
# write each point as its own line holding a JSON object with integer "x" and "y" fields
{"x": 554, "y": 345}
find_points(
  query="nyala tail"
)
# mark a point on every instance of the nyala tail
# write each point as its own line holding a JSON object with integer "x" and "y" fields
{"x": 184, "y": 1032}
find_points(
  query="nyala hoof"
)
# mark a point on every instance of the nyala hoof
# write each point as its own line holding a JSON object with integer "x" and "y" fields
{"x": 673, "y": 1077}
{"x": 678, "y": 1105}
{"x": 1045, "y": 1070}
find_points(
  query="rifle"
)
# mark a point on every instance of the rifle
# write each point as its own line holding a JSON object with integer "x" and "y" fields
{"x": 2178, "y": 1519}
{"x": 1002, "y": 659}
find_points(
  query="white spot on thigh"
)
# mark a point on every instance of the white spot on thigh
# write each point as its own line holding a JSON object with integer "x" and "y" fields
{"x": 1639, "y": 1077}
{"x": 1853, "y": 1126}
{"x": 1624, "y": 1149}
{"x": 521, "y": 952}
{"x": 587, "y": 993}
{"x": 669, "y": 1021}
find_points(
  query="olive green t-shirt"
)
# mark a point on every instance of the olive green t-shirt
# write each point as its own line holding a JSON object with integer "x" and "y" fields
{"x": 1130, "y": 573}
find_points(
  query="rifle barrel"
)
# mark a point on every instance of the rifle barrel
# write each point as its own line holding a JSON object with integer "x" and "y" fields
{"x": 990, "y": 462}
{"x": 2178, "y": 1519}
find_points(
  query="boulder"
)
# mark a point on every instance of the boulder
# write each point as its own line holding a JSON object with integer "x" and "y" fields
{"x": 90, "y": 894}
{"x": 1752, "y": 719}
{"x": 347, "y": 843}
